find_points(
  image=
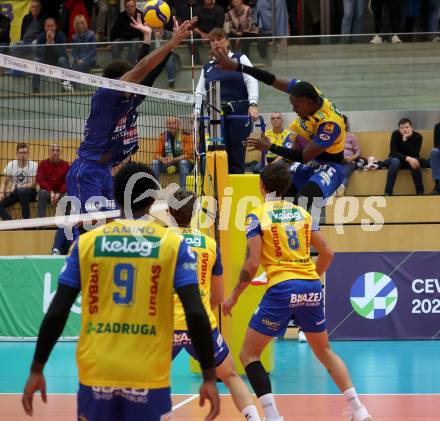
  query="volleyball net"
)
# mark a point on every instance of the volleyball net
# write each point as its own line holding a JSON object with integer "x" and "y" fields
{"x": 42, "y": 106}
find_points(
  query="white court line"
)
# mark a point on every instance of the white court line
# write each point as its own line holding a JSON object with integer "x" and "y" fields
{"x": 184, "y": 402}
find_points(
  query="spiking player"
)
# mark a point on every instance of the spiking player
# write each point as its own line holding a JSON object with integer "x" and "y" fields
{"x": 127, "y": 272}
{"x": 318, "y": 168}
{"x": 110, "y": 134}
{"x": 279, "y": 235}
{"x": 210, "y": 273}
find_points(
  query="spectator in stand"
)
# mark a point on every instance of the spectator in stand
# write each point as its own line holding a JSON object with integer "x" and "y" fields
{"x": 181, "y": 9}
{"x": 433, "y": 18}
{"x": 210, "y": 16}
{"x": 31, "y": 26}
{"x": 278, "y": 135}
{"x": 405, "y": 148}
{"x": 352, "y": 20}
{"x": 5, "y": 29}
{"x": 18, "y": 183}
{"x": 395, "y": 13}
{"x": 51, "y": 53}
{"x": 51, "y": 177}
{"x": 352, "y": 152}
{"x": 123, "y": 30}
{"x": 174, "y": 151}
{"x": 84, "y": 49}
{"x": 104, "y": 15}
{"x": 240, "y": 22}
{"x": 435, "y": 160}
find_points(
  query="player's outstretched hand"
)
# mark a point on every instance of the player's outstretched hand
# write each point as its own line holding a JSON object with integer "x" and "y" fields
{"x": 182, "y": 31}
{"x": 261, "y": 143}
{"x": 34, "y": 382}
{"x": 140, "y": 25}
{"x": 223, "y": 60}
{"x": 208, "y": 391}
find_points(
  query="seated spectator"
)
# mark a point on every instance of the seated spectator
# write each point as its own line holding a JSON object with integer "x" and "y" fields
{"x": 5, "y": 29}
{"x": 51, "y": 53}
{"x": 31, "y": 26}
{"x": 352, "y": 152}
{"x": 18, "y": 183}
{"x": 405, "y": 147}
{"x": 173, "y": 61}
{"x": 122, "y": 30}
{"x": 352, "y": 19}
{"x": 278, "y": 135}
{"x": 181, "y": 9}
{"x": 174, "y": 151}
{"x": 84, "y": 49}
{"x": 210, "y": 16}
{"x": 239, "y": 22}
{"x": 51, "y": 177}
{"x": 263, "y": 13}
{"x": 435, "y": 160}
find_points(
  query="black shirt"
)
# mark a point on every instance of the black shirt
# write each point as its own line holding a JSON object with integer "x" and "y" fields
{"x": 209, "y": 18}
{"x": 400, "y": 149}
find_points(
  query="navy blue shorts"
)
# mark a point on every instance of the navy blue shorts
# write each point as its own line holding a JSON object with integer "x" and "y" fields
{"x": 327, "y": 176}
{"x": 114, "y": 404}
{"x": 302, "y": 299}
{"x": 88, "y": 179}
{"x": 181, "y": 340}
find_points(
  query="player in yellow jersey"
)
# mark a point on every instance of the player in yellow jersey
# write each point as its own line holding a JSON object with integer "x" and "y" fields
{"x": 127, "y": 272}
{"x": 210, "y": 273}
{"x": 318, "y": 169}
{"x": 279, "y": 235}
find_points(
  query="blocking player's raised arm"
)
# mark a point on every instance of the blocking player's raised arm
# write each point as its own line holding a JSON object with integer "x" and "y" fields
{"x": 148, "y": 63}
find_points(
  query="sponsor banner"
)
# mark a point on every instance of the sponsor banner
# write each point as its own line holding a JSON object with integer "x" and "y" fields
{"x": 384, "y": 296}
{"x": 15, "y": 10}
{"x": 27, "y": 286}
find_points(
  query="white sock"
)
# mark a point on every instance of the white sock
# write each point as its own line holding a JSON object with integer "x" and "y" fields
{"x": 251, "y": 413}
{"x": 269, "y": 406}
{"x": 352, "y": 399}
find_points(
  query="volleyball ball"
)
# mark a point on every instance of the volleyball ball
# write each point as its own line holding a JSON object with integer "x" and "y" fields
{"x": 156, "y": 13}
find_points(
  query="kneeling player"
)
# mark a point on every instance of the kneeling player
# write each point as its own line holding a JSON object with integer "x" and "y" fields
{"x": 210, "y": 273}
{"x": 279, "y": 236}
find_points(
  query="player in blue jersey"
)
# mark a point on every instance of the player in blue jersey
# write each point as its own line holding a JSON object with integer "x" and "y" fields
{"x": 110, "y": 134}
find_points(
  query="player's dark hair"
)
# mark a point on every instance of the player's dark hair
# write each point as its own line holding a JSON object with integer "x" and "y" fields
{"x": 404, "y": 121}
{"x": 276, "y": 178}
{"x": 142, "y": 185}
{"x": 347, "y": 125}
{"x": 183, "y": 215}
{"x": 305, "y": 90}
{"x": 22, "y": 146}
{"x": 116, "y": 69}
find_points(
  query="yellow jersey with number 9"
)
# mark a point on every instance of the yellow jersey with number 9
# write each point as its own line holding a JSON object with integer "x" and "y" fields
{"x": 326, "y": 127}
{"x": 127, "y": 271}
{"x": 285, "y": 230}
{"x": 208, "y": 263}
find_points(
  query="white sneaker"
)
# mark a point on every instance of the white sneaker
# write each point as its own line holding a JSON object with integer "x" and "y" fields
{"x": 361, "y": 414}
{"x": 67, "y": 86}
{"x": 377, "y": 39}
{"x": 274, "y": 419}
{"x": 436, "y": 39}
{"x": 395, "y": 39}
{"x": 301, "y": 336}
